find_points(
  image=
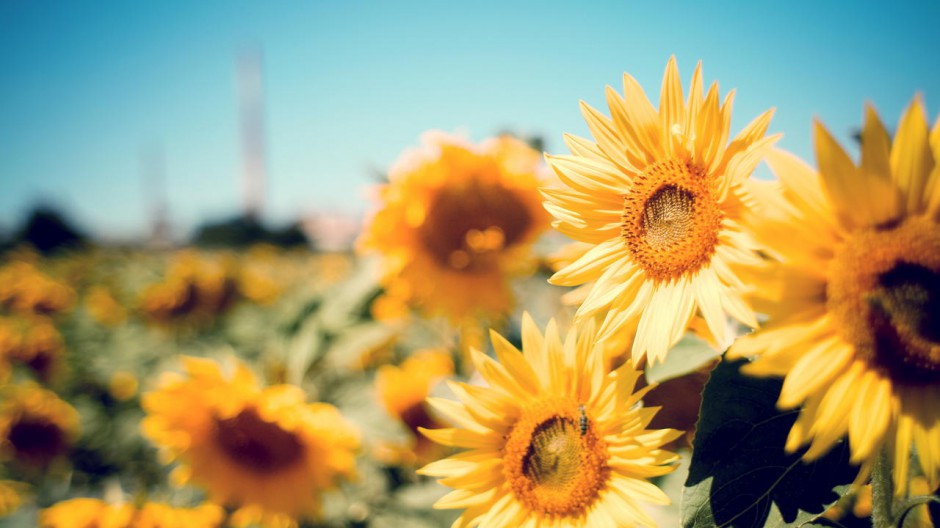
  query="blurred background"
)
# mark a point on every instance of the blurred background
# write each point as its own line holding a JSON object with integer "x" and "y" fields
{"x": 148, "y": 121}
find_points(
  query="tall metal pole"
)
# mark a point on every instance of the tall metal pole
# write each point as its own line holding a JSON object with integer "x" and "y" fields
{"x": 251, "y": 111}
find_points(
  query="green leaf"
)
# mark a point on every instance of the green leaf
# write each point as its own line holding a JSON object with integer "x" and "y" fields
{"x": 689, "y": 355}
{"x": 740, "y": 474}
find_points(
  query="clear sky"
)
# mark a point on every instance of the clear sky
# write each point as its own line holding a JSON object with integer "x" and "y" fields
{"x": 85, "y": 85}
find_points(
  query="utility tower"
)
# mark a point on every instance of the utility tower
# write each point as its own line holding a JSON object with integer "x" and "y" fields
{"x": 250, "y": 89}
{"x": 153, "y": 176}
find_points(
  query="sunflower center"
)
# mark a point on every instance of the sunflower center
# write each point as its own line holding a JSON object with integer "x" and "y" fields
{"x": 467, "y": 225}
{"x": 37, "y": 440}
{"x": 884, "y": 292}
{"x": 554, "y": 459}
{"x": 257, "y": 445}
{"x": 671, "y": 219}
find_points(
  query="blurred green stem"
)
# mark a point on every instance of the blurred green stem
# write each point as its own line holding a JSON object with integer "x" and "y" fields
{"x": 882, "y": 492}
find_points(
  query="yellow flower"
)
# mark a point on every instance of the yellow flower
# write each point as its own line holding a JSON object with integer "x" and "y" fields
{"x": 196, "y": 289}
{"x": 456, "y": 221}
{"x": 26, "y": 289}
{"x": 86, "y": 513}
{"x": 554, "y": 440}
{"x": 36, "y": 427}
{"x": 159, "y": 515}
{"x": 123, "y": 385}
{"x": 659, "y": 199}
{"x": 32, "y": 341}
{"x": 262, "y": 449}
{"x": 853, "y": 295}
{"x": 11, "y": 496}
{"x": 94, "y": 513}
{"x": 103, "y": 307}
{"x": 403, "y": 391}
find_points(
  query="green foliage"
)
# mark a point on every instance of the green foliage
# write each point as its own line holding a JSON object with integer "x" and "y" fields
{"x": 740, "y": 475}
{"x": 245, "y": 231}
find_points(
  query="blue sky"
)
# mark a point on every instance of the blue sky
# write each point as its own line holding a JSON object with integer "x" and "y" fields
{"x": 86, "y": 85}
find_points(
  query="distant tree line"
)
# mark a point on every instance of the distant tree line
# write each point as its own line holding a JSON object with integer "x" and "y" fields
{"x": 49, "y": 230}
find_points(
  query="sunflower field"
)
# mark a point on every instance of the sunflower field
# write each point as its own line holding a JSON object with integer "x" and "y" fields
{"x": 635, "y": 332}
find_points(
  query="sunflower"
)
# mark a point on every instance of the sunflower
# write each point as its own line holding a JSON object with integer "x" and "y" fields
{"x": 403, "y": 391}
{"x": 103, "y": 307}
{"x": 261, "y": 449}
{"x": 11, "y": 496}
{"x": 853, "y": 295}
{"x": 659, "y": 199}
{"x": 25, "y": 289}
{"x": 554, "y": 440}
{"x": 160, "y": 515}
{"x": 86, "y": 513}
{"x": 95, "y": 513}
{"x": 36, "y": 427}
{"x": 32, "y": 341}
{"x": 195, "y": 289}
{"x": 456, "y": 221}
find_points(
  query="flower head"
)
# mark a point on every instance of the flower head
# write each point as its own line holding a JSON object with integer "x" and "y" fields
{"x": 853, "y": 294}
{"x": 403, "y": 391}
{"x": 36, "y": 427}
{"x": 658, "y": 197}
{"x": 554, "y": 440}
{"x": 456, "y": 220}
{"x": 261, "y": 449}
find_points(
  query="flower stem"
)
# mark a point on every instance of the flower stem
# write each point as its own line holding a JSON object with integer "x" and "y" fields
{"x": 882, "y": 493}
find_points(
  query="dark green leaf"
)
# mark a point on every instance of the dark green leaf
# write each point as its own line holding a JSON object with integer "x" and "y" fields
{"x": 740, "y": 474}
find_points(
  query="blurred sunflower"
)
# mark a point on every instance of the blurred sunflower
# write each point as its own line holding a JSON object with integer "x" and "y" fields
{"x": 659, "y": 199}
{"x": 195, "y": 290}
{"x": 32, "y": 341}
{"x": 103, "y": 307}
{"x": 87, "y": 513}
{"x": 36, "y": 427}
{"x": 403, "y": 390}
{"x": 26, "y": 289}
{"x": 455, "y": 222}
{"x": 11, "y": 496}
{"x": 95, "y": 513}
{"x": 261, "y": 449}
{"x": 554, "y": 440}
{"x": 159, "y": 515}
{"x": 853, "y": 295}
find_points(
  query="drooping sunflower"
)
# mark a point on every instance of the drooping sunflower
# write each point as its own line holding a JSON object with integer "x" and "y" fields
{"x": 36, "y": 427}
{"x": 403, "y": 391}
{"x": 659, "y": 198}
{"x": 455, "y": 222}
{"x": 853, "y": 294}
{"x": 554, "y": 440}
{"x": 263, "y": 450}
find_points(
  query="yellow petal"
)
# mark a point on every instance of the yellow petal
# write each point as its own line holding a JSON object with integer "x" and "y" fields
{"x": 911, "y": 157}
{"x": 634, "y": 151}
{"x": 643, "y": 117}
{"x": 591, "y": 265}
{"x": 589, "y": 175}
{"x": 876, "y": 145}
{"x": 671, "y": 106}
{"x": 608, "y": 138}
{"x": 582, "y": 147}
